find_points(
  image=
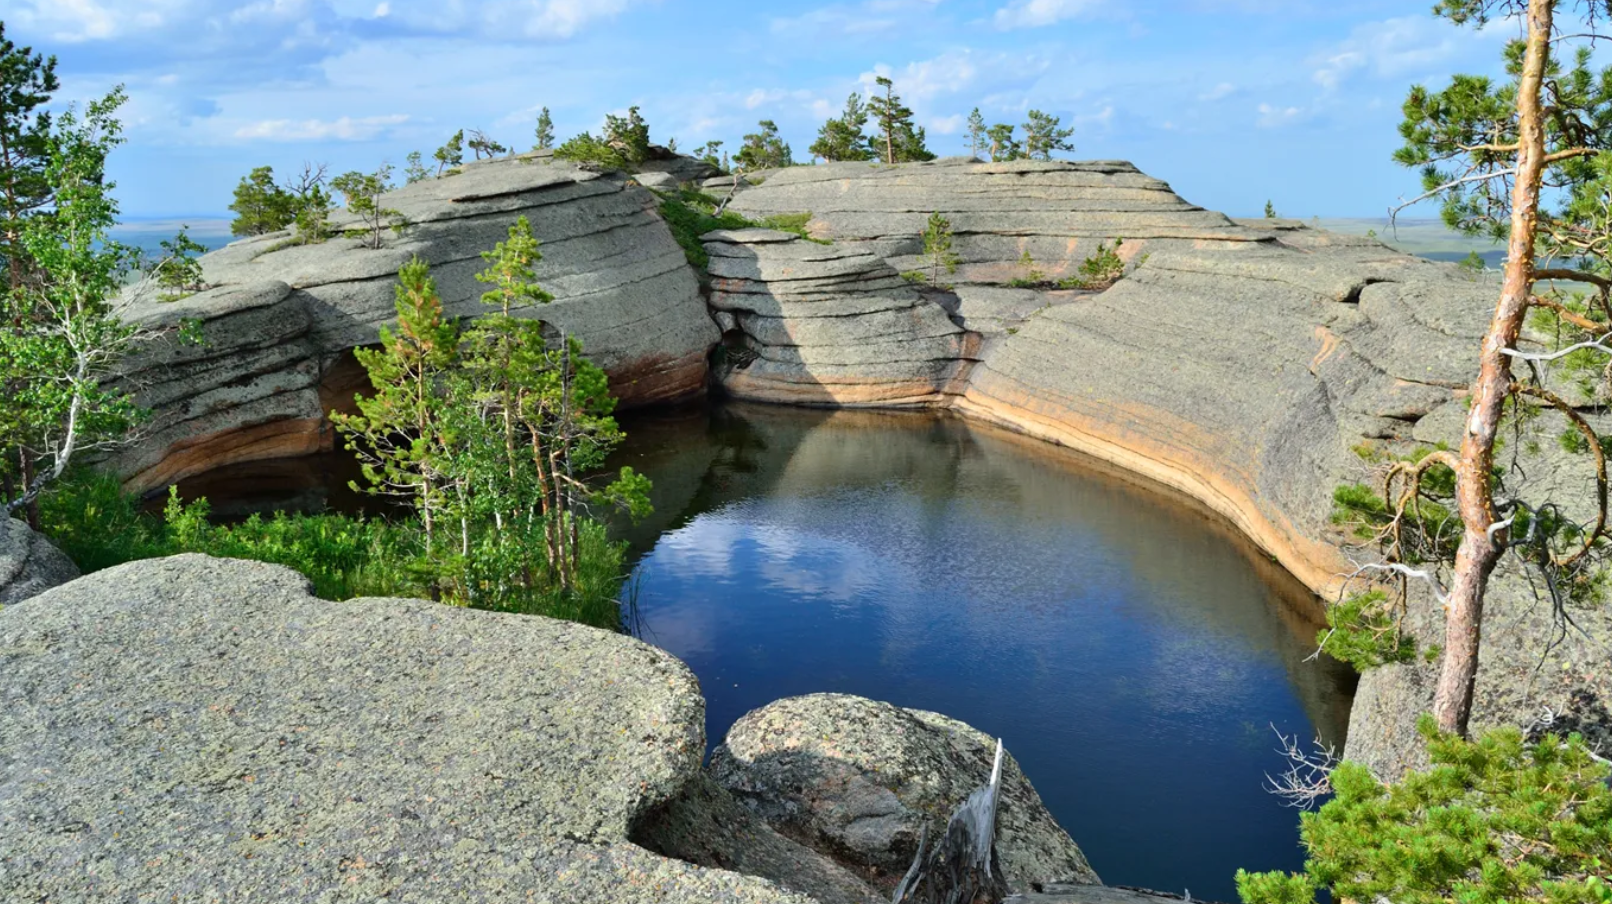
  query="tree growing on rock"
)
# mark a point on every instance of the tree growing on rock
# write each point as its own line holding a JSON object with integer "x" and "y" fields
{"x": 414, "y": 170}
{"x": 976, "y": 134}
{"x": 842, "y": 138}
{"x": 483, "y": 146}
{"x": 1447, "y": 517}
{"x": 27, "y": 83}
{"x": 260, "y": 206}
{"x": 938, "y": 248}
{"x": 711, "y": 152}
{"x": 1042, "y": 136}
{"x": 764, "y": 149}
{"x": 628, "y": 136}
{"x": 362, "y": 193}
{"x": 452, "y": 154}
{"x": 545, "y": 131}
{"x": 896, "y": 139}
{"x": 176, "y": 269}
{"x": 1003, "y": 146}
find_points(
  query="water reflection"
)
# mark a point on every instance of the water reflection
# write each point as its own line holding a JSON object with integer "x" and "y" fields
{"x": 1132, "y": 653}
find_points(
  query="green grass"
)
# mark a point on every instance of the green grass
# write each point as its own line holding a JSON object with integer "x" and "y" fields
{"x": 691, "y": 214}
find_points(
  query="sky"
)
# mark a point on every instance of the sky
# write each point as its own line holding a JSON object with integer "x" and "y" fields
{"x": 1233, "y": 102}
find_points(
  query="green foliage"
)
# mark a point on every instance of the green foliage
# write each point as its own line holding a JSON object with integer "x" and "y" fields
{"x": 362, "y": 192}
{"x": 260, "y": 205}
{"x": 1270, "y": 211}
{"x": 711, "y": 152}
{"x": 415, "y": 171}
{"x": 1495, "y": 821}
{"x": 764, "y": 149}
{"x": 1472, "y": 263}
{"x": 1099, "y": 271}
{"x": 484, "y": 146}
{"x": 452, "y": 154}
{"x": 629, "y": 136}
{"x": 690, "y": 214}
{"x": 544, "y": 132}
{"x": 1003, "y": 146}
{"x": 1042, "y": 136}
{"x": 1032, "y": 278}
{"x": 976, "y": 133}
{"x": 177, "y": 270}
{"x": 1364, "y": 631}
{"x": 89, "y": 517}
{"x": 592, "y": 151}
{"x": 27, "y": 82}
{"x": 842, "y": 138}
{"x": 898, "y": 140}
{"x": 915, "y": 276}
{"x": 59, "y": 339}
{"x": 938, "y": 247}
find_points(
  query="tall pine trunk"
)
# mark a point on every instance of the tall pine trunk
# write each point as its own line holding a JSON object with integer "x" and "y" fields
{"x": 1480, "y": 549}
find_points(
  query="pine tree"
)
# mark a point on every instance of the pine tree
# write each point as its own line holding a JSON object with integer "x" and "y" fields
{"x": 628, "y": 136}
{"x": 842, "y": 138}
{"x": 27, "y": 82}
{"x": 398, "y": 432}
{"x": 708, "y": 152}
{"x": 1042, "y": 136}
{"x": 452, "y": 154}
{"x": 892, "y": 118}
{"x": 415, "y": 171}
{"x": 1003, "y": 146}
{"x": 1270, "y": 211}
{"x": 260, "y": 205}
{"x": 976, "y": 133}
{"x": 911, "y": 146}
{"x": 483, "y": 146}
{"x": 362, "y": 193}
{"x": 545, "y": 131}
{"x": 764, "y": 149}
{"x": 177, "y": 269}
{"x": 938, "y": 247}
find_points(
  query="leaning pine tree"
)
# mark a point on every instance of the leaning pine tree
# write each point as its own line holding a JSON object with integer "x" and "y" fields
{"x": 1487, "y": 150}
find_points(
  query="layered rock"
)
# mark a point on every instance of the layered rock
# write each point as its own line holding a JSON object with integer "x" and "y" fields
{"x": 194, "y": 728}
{"x": 861, "y": 779}
{"x": 828, "y": 325}
{"x": 281, "y": 316}
{"x": 1240, "y": 362}
{"x": 29, "y": 564}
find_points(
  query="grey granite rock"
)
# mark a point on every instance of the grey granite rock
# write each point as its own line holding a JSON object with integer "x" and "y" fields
{"x": 200, "y": 729}
{"x": 29, "y": 564}
{"x": 281, "y": 317}
{"x": 829, "y": 324}
{"x": 859, "y": 779}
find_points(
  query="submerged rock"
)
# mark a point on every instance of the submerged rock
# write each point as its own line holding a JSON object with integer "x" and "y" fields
{"x": 29, "y": 564}
{"x": 860, "y": 779}
{"x": 203, "y": 729}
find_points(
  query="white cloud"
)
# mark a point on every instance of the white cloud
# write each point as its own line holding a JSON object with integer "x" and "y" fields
{"x": 868, "y": 18}
{"x": 946, "y": 125}
{"x": 1218, "y": 92}
{"x": 346, "y": 128}
{"x": 73, "y": 21}
{"x": 1271, "y": 117}
{"x": 1396, "y": 49}
{"x": 1038, "y": 13}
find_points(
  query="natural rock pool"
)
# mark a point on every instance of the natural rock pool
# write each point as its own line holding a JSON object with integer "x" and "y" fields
{"x": 1133, "y": 653}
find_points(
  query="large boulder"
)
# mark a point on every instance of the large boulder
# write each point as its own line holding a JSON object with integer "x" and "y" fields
{"x": 828, "y": 325}
{"x": 203, "y": 729}
{"x": 29, "y": 564}
{"x": 281, "y": 318}
{"x": 860, "y": 779}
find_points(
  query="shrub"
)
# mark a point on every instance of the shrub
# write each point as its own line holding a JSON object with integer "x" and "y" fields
{"x": 1492, "y": 821}
{"x": 1363, "y": 630}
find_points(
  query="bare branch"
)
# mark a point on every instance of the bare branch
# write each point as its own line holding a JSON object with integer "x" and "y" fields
{"x": 1308, "y": 777}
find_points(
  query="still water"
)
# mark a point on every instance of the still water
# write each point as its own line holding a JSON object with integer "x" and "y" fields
{"x": 1132, "y": 654}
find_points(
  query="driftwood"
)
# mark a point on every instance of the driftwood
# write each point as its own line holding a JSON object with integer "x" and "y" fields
{"x": 962, "y": 868}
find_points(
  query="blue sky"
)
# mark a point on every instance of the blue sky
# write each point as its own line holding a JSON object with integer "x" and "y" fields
{"x": 1231, "y": 101}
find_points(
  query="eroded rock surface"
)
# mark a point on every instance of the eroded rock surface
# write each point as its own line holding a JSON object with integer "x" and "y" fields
{"x": 859, "y": 779}
{"x": 828, "y": 325}
{"x": 203, "y": 729}
{"x": 29, "y": 564}
{"x": 281, "y": 315}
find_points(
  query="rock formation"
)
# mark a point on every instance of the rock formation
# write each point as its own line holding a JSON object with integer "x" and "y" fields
{"x": 197, "y": 728}
{"x": 29, "y": 565}
{"x": 828, "y": 325}
{"x": 281, "y": 316}
{"x": 1242, "y": 363}
{"x": 861, "y": 779}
